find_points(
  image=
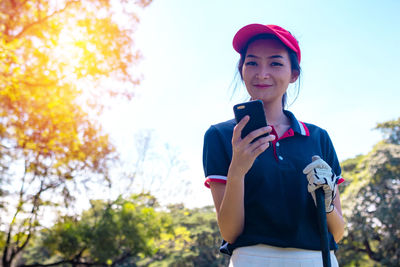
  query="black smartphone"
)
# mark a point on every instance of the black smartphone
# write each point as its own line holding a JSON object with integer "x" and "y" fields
{"x": 255, "y": 109}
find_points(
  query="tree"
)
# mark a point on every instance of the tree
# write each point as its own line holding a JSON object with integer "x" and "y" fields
{"x": 108, "y": 234}
{"x": 57, "y": 61}
{"x": 129, "y": 232}
{"x": 193, "y": 241}
{"x": 391, "y": 131}
{"x": 371, "y": 204}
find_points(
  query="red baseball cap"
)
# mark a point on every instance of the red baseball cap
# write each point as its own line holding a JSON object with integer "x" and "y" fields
{"x": 243, "y": 36}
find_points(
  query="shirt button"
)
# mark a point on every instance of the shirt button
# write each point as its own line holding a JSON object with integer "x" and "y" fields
{"x": 277, "y": 143}
{"x": 280, "y": 157}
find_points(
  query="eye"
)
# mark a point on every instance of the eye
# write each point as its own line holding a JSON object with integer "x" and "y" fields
{"x": 276, "y": 64}
{"x": 251, "y": 63}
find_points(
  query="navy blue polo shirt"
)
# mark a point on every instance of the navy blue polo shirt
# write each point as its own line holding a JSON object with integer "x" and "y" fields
{"x": 279, "y": 211}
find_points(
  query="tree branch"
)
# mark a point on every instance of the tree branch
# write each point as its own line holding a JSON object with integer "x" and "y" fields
{"x": 49, "y": 264}
{"x": 27, "y": 27}
{"x": 54, "y": 83}
{"x": 372, "y": 255}
{"x": 7, "y": 246}
{"x": 32, "y": 219}
{"x": 122, "y": 258}
{"x": 71, "y": 261}
{"x": 74, "y": 260}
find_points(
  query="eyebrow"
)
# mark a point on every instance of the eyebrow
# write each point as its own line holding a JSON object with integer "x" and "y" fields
{"x": 274, "y": 56}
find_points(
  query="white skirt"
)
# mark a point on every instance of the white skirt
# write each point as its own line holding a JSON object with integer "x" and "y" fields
{"x": 264, "y": 255}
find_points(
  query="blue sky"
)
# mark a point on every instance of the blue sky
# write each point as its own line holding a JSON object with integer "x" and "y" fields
{"x": 350, "y": 62}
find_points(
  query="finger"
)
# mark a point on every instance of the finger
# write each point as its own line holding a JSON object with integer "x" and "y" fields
{"x": 313, "y": 187}
{"x": 327, "y": 190}
{"x": 318, "y": 163}
{"x": 237, "y": 131}
{"x": 327, "y": 174}
{"x": 313, "y": 178}
{"x": 315, "y": 157}
{"x": 261, "y": 141}
{"x": 323, "y": 165}
{"x": 309, "y": 168}
{"x": 310, "y": 177}
{"x": 256, "y": 133}
{"x": 260, "y": 148}
{"x": 270, "y": 138}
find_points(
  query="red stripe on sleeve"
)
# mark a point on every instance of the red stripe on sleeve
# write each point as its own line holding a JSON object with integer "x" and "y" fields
{"x": 208, "y": 180}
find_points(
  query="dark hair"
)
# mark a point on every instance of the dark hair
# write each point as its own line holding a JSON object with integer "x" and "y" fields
{"x": 294, "y": 61}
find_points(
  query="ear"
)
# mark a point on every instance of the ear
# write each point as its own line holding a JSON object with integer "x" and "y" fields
{"x": 295, "y": 76}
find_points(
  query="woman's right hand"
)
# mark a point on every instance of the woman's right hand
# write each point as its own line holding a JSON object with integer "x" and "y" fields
{"x": 245, "y": 152}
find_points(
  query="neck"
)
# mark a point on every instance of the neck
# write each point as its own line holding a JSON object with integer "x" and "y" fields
{"x": 274, "y": 114}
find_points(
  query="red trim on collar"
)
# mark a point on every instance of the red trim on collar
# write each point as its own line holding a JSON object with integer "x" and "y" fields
{"x": 288, "y": 133}
{"x": 305, "y": 128}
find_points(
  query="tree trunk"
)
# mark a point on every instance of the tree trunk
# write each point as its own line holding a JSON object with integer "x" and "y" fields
{"x": 5, "y": 261}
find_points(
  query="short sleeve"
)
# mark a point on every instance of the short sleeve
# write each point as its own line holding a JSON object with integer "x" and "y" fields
{"x": 331, "y": 157}
{"x": 215, "y": 157}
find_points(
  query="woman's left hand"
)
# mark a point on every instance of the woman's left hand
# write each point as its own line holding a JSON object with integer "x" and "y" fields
{"x": 320, "y": 174}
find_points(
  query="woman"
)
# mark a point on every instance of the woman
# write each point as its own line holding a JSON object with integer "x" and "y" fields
{"x": 263, "y": 191}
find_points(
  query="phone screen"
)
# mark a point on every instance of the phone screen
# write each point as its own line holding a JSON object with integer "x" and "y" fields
{"x": 255, "y": 109}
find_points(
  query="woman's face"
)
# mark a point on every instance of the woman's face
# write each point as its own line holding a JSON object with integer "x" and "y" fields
{"x": 267, "y": 70}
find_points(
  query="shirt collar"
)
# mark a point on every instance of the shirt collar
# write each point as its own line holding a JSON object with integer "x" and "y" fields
{"x": 297, "y": 126}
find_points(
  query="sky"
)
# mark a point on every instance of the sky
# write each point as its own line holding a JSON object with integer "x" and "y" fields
{"x": 350, "y": 63}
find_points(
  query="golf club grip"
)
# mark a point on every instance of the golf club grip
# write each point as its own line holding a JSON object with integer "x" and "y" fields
{"x": 323, "y": 227}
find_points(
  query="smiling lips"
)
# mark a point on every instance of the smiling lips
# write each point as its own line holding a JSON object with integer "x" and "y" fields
{"x": 262, "y": 86}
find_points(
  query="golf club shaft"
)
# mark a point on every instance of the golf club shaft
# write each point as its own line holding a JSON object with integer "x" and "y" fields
{"x": 323, "y": 227}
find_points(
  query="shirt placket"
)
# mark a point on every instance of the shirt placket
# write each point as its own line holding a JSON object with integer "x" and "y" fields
{"x": 276, "y": 144}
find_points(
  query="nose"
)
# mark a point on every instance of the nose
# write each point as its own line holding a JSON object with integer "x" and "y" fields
{"x": 263, "y": 73}
{"x": 263, "y": 76}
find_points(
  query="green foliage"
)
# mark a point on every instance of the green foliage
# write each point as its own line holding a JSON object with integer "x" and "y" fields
{"x": 391, "y": 131}
{"x": 2, "y": 239}
{"x": 193, "y": 241}
{"x": 130, "y": 232}
{"x": 371, "y": 206}
{"x": 106, "y": 233}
